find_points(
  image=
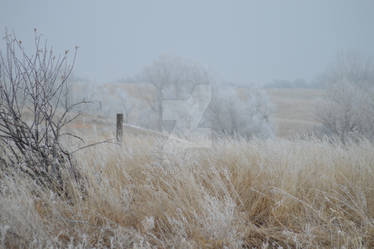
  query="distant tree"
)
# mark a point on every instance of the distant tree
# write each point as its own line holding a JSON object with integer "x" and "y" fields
{"x": 172, "y": 77}
{"x": 297, "y": 83}
{"x": 350, "y": 67}
{"x": 239, "y": 112}
{"x": 117, "y": 102}
{"x": 348, "y": 109}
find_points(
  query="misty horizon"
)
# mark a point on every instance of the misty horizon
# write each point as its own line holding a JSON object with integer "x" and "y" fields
{"x": 246, "y": 42}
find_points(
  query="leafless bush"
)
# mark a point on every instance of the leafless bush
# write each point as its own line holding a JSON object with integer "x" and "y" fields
{"x": 34, "y": 109}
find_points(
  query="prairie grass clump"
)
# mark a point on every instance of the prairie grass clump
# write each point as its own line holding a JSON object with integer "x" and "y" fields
{"x": 236, "y": 194}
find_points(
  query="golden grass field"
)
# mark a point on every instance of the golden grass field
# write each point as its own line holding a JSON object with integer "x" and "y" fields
{"x": 235, "y": 194}
{"x": 276, "y": 193}
{"x": 294, "y": 110}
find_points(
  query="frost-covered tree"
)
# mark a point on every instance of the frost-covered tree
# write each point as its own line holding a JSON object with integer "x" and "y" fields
{"x": 348, "y": 110}
{"x": 172, "y": 77}
{"x": 239, "y": 112}
{"x": 350, "y": 67}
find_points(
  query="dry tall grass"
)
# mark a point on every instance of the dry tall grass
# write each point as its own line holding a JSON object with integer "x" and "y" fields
{"x": 237, "y": 194}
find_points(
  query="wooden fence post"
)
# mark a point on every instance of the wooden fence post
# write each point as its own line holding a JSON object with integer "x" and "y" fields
{"x": 119, "y": 130}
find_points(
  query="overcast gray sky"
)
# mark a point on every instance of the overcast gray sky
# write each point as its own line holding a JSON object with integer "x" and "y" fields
{"x": 241, "y": 41}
